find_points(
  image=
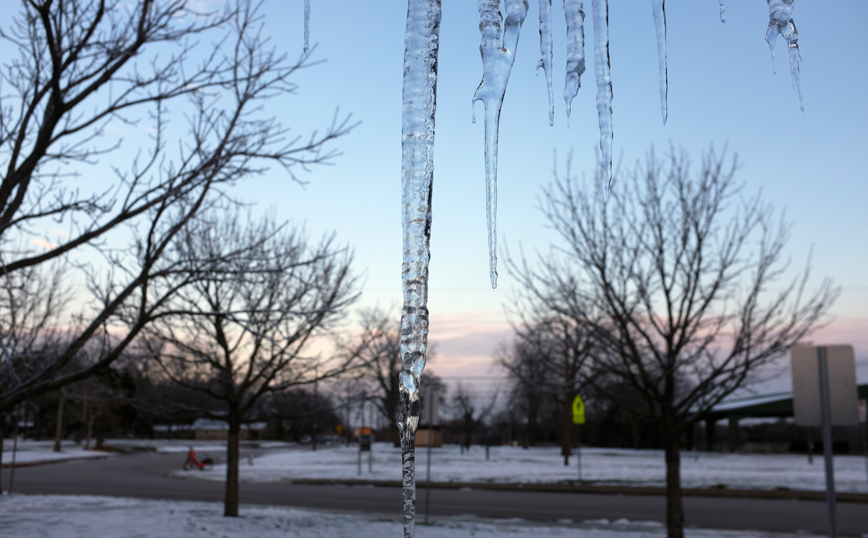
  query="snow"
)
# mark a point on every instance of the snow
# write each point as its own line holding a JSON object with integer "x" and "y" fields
{"x": 56, "y": 516}
{"x": 600, "y": 466}
{"x": 30, "y": 452}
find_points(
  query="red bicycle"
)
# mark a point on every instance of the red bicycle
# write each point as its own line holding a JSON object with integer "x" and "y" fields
{"x": 193, "y": 463}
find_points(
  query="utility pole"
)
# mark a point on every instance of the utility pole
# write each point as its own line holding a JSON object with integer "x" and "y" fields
{"x": 315, "y": 408}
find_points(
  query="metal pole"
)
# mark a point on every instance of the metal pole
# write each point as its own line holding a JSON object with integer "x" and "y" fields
{"x": 361, "y": 432}
{"x": 865, "y": 447}
{"x": 430, "y": 437}
{"x": 825, "y": 413}
{"x": 579, "y": 451}
{"x": 14, "y": 452}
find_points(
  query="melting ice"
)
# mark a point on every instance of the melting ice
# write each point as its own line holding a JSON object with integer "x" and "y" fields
{"x": 498, "y": 55}
{"x": 658, "y": 7}
{"x": 604, "y": 84}
{"x": 545, "y": 50}
{"x": 575, "y": 19}
{"x": 421, "y": 44}
{"x": 306, "y": 27}
{"x": 781, "y": 22}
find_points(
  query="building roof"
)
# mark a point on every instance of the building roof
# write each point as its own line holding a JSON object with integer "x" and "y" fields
{"x": 779, "y": 404}
{"x": 211, "y": 424}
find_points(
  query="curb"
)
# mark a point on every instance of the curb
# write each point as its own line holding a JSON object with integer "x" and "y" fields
{"x": 788, "y": 494}
{"x": 49, "y": 462}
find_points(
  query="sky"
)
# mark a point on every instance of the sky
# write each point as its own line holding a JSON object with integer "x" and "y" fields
{"x": 723, "y": 93}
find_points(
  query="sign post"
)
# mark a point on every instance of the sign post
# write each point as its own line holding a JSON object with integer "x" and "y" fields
{"x": 824, "y": 394}
{"x": 431, "y": 401}
{"x": 578, "y": 420}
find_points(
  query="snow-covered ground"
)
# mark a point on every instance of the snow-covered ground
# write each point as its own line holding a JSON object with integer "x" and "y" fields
{"x": 29, "y": 452}
{"x": 545, "y": 465}
{"x": 285, "y": 461}
{"x": 52, "y": 516}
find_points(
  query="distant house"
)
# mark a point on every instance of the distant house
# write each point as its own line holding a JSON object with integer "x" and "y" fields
{"x": 207, "y": 429}
{"x": 173, "y": 431}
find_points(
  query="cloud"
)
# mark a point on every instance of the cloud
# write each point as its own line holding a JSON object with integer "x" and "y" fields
{"x": 42, "y": 243}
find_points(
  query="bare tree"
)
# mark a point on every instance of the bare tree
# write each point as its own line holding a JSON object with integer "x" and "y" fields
{"x": 469, "y": 412}
{"x": 682, "y": 278}
{"x": 378, "y": 348}
{"x": 526, "y": 367}
{"x": 245, "y": 329}
{"x": 564, "y": 353}
{"x": 186, "y": 88}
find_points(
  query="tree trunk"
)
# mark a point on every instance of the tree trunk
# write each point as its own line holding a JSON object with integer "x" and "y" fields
{"x": 58, "y": 429}
{"x": 315, "y": 425}
{"x": 674, "y": 495}
{"x": 90, "y": 421}
{"x": 566, "y": 433}
{"x": 392, "y": 433}
{"x": 530, "y": 430}
{"x": 468, "y": 432}
{"x": 230, "y": 504}
{"x": 2, "y": 435}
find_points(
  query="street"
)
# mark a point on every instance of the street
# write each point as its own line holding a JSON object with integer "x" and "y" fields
{"x": 147, "y": 475}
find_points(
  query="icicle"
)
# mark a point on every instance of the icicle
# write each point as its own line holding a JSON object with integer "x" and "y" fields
{"x": 604, "y": 84}
{"x": 575, "y": 18}
{"x": 306, "y": 27}
{"x": 722, "y": 11}
{"x": 417, "y": 173}
{"x": 498, "y": 56}
{"x": 545, "y": 49}
{"x": 659, "y": 9}
{"x": 781, "y": 22}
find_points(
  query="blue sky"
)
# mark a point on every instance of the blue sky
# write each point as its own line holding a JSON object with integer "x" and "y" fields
{"x": 722, "y": 92}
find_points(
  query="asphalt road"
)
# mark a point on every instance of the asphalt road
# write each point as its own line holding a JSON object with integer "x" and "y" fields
{"x": 148, "y": 476}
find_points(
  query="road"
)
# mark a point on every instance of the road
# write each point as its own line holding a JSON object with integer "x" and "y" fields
{"x": 148, "y": 476}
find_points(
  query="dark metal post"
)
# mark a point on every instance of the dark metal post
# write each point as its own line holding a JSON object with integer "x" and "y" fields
{"x": 825, "y": 414}
{"x": 579, "y": 450}
{"x": 14, "y": 452}
{"x": 429, "y": 407}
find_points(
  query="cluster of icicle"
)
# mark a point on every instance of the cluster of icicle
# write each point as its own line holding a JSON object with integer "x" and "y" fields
{"x": 499, "y": 42}
{"x": 498, "y": 47}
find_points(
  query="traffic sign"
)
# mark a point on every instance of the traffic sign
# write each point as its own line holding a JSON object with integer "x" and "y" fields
{"x": 578, "y": 410}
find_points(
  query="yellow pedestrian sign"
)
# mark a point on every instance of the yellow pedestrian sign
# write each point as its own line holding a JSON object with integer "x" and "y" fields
{"x": 578, "y": 410}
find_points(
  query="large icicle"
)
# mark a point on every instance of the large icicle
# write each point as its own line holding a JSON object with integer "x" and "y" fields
{"x": 575, "y": 19}
{"x": 306, "y": 27}
{"x": 498, "y": 55}
{"x": 421, "y": 44}
{"x": 781, "y": 22}
{"x": 604, "y": 84}
{"x": 722, "y": 11}
{"x": 545, "y": 50}
{"x": 659, "y": 9}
